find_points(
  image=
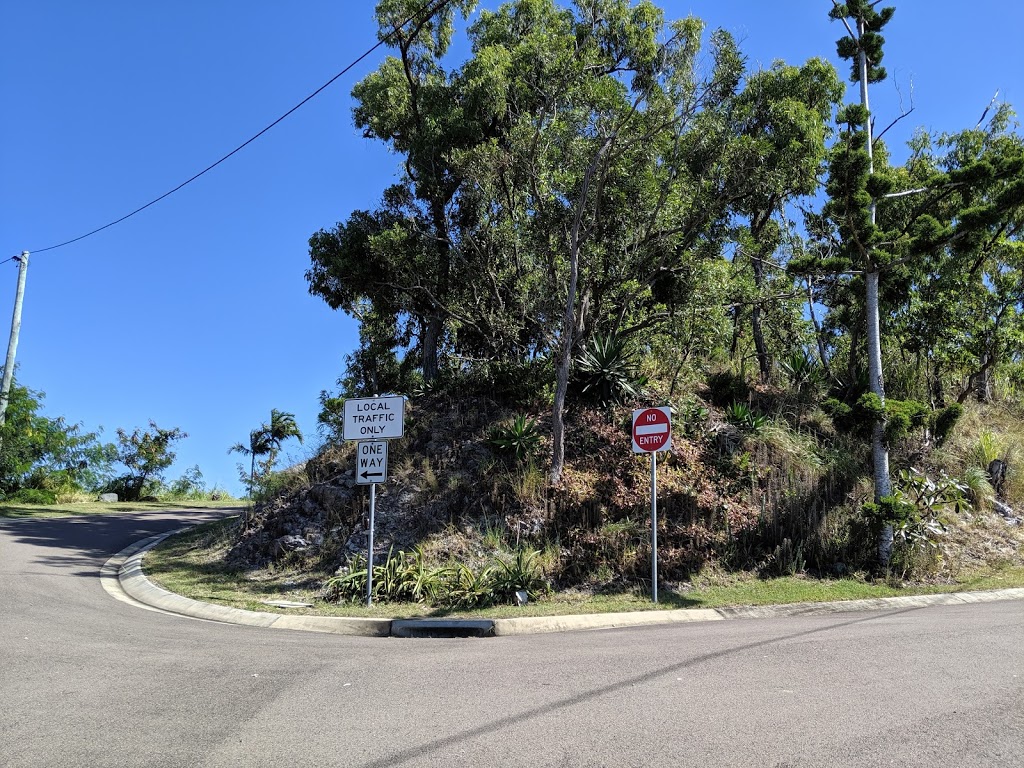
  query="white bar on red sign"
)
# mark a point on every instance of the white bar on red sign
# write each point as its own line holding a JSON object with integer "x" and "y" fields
{"x": 652, "y": 429}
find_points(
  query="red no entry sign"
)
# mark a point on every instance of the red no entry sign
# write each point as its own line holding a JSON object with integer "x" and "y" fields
{"x": 652, "y": 430}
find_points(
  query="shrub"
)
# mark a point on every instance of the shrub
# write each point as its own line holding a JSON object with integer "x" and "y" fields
{"x": 726, "y": 387}
{"x": 405, "y": 577}
{"x": 33, "y": 496}
{"x": 608, "y": 372}
{"x": 520, "y": 439}
{"x": 902, "y": 416}
{"x": 740, "y": 415}
{"x": 944, "y": 420}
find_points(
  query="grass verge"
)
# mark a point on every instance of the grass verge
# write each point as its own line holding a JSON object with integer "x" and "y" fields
{"x": 8, "y": 509}
{"x": 191, "y": 564}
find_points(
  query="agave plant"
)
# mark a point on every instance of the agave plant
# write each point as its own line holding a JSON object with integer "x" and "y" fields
{"x": 803, "y": 371}
{"x": 520, "y": 438}
{"x": 608, "y": 372}
{"x": 740, "y": 415}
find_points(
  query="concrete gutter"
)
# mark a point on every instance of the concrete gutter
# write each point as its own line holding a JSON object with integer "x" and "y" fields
{"x": 138, "y": 590}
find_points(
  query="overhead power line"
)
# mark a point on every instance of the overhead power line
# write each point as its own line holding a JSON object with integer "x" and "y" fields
{"x": 431, "y": 7}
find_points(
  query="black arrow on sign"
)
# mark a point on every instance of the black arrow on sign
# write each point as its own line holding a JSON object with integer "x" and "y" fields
{"x": 371, "y": 474}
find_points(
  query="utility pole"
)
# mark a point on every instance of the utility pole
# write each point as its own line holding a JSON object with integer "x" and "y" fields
{"x": 12, "y": 345}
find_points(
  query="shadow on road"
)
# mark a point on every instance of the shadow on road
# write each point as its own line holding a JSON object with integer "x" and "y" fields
{"x": 82, "y": 543}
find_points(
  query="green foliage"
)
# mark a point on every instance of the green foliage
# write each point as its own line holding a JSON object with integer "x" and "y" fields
{"x": 406, "y": 577}
{"x": 608, "y": 372}
{"x": 726, "y": 387}
{"x": 263, "y": 448}
{"x": 742, "y": 416}
{"x": 694, "y": 416}
{"x": 49, "y": 453}
{"x": 519, "y": 439}
{"x": 803, "y": 370}
{"x": 32, "y": 496}
{"x": 944, "y": 420}
{"x": 189, "y": 486}
{"x": 987, "y": 449}
{"x": 901, "y": 417}
{"x": 146, "y": 454}
{"x": 915, "y": 511}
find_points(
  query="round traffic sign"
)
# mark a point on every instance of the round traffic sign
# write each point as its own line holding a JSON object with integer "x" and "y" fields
{"x": 652, "y": 430}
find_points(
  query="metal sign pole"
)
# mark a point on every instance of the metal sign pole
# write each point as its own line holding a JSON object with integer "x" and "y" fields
{"x": 369, "y": 547}
{"x": 654, "y": 526}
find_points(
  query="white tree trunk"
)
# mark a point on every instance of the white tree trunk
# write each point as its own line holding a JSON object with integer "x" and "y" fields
{"x": 879, "y": 451}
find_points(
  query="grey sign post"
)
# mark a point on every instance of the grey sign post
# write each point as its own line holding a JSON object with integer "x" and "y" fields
{"x": 372, "y": 421}
{"x": 652, "y": 432}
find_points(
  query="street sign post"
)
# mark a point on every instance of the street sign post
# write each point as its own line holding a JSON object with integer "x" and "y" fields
{"x": 652, "y": 432}
{"x": 372, "y": 421}
{"x": 371, "y": 462}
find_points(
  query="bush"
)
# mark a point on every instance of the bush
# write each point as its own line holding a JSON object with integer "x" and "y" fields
{"x": 519, "y": 439}
{"x": 32, "y": 496}
{"x": 725, "y": 387}
{"x": 405, "y": 577}
{"x": 740, "y": 415}
{"x": 607, "y": 372}
{"x": 902, "y": 416}
{"x": 944, "y": 420}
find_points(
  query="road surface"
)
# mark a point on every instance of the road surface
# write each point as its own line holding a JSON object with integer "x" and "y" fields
{"x": 86, "y": 680}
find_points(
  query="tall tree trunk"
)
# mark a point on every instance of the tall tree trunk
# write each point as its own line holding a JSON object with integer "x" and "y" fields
{"x": 433, "y": 325}
{"x": 568, "y": 340}
{"x": 755, "y": 322}
{"x": 879, "y": 451}
{"x": 818, "y": 335}
{"x": 428, "y": 347}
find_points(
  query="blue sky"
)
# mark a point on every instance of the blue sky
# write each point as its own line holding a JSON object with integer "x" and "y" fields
{"x": 195, "y": 313}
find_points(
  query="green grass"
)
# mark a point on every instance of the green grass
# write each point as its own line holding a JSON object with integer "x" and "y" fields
{"x": 191, "y": 565}
{"x": 8, "y": 509}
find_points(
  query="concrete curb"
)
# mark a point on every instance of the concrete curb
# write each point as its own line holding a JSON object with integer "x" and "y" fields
{"x": 138, "y": 587}
{"x": 128, "y": 565}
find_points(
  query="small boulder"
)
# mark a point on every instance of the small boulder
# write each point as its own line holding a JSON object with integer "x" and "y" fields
{"x": 109, "y": 497}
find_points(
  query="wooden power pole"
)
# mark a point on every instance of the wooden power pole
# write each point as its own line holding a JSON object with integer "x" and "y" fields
{"x": 12, "y": 345}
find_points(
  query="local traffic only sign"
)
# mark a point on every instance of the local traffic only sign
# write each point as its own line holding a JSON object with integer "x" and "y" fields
{"x": 372, "y": 421}
{"x": 652, "y": 432}
{"x": 371, "y": 462}
{"x": 374, "y": 418}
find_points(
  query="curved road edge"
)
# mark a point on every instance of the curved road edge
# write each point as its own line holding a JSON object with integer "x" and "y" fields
{"x": 123, "y": 578}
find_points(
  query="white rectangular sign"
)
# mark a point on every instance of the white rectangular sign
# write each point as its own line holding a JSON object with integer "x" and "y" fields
{"x": 374, "y": 418}
{"x": 371, "y": 462}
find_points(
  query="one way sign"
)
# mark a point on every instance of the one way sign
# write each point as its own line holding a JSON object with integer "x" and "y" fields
{"x": 371, "y": 462}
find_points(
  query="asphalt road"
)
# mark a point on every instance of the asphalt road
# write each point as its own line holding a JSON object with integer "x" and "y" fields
{"x": 86, "y": 680}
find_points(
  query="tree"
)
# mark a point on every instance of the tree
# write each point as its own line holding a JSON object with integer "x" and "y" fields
{"x": 146, "y": 454}
{"x": 877, "y": 225}
{"x": 266, "y": 442}
{"x": 49, "y": 454}
{"x": 400, "y": 257}
{"x": 616, "y": 167}
{"x": 783, "y": 114}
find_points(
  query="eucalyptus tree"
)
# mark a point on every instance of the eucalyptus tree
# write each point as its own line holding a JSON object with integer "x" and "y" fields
{"x": 399, "y": 257}
{"x": 784, "y": 115}
{"x": 618, "y": 161}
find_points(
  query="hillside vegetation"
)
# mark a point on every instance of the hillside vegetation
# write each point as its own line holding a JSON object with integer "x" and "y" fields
{"x": 601, "y": 208}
